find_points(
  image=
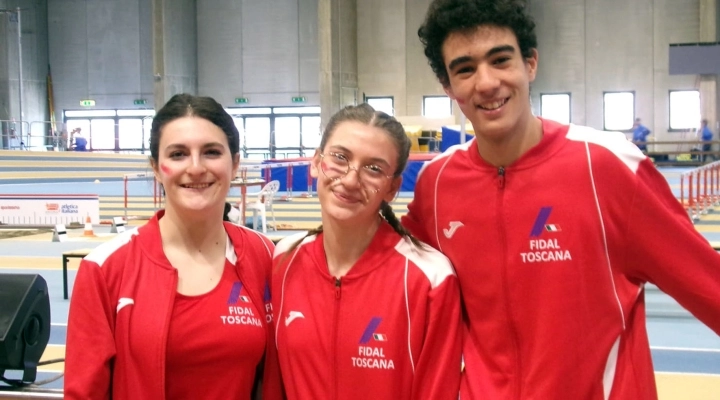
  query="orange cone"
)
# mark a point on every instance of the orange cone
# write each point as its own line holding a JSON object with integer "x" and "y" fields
{"x": 88, "y": 232}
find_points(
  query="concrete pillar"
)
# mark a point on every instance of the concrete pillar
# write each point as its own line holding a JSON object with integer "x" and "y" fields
{"x": 174, "y": 49}
{"x": 159, "y": 93}
{"x": 6, "y": 35}
{"x": 328, "y": 103}
{"x": 708, "y": 83}
{"x": 337, "y": 53}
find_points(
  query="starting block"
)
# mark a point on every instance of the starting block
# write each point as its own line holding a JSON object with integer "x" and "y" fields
{"x": 118, "y": 225}
{"x": 59, "y": 233}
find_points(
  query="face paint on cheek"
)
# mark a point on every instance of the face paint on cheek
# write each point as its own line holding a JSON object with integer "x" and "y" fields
{"x": 165, "y": 169}
{"x": 460, "y": 102}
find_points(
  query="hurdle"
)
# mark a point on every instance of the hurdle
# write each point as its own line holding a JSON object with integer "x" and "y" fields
{"x": 703, "y": 190}
{"x": 157, "y": 191}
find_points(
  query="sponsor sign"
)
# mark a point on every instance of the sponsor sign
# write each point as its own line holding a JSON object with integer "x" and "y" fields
{"x": 38, "y": 209}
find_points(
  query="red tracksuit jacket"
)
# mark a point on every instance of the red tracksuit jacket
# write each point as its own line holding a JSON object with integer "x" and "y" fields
{"x": 552, "y": 253}
{"x": 120, "y": 314}
{"x": 389, "y": 329}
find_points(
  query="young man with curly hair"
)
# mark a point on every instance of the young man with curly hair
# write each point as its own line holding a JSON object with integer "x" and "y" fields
{"x": 553, "y": 229}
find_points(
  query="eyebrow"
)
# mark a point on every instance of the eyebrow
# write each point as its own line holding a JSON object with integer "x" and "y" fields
{"x": 495, "y": 50}
{"x": 175, "y": 146}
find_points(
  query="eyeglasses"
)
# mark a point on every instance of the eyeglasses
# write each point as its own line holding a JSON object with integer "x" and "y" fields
{"x": 336, "y": 165}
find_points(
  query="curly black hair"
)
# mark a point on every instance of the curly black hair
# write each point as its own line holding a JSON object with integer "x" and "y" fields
{"x": 448, "y": 16}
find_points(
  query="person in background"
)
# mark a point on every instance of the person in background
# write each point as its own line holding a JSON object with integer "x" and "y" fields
{"x": 63, "y": 140}
{"x": 79, "y": 143}
{"x": 640, "y": 134}
{"x": 180, "y": 307}
{"x": 365, "y": 310}
{"x": 706, "y": 136}
{"x": 553, "y": 229}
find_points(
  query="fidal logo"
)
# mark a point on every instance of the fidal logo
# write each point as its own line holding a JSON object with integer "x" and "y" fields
{"x": 53, "y": 207}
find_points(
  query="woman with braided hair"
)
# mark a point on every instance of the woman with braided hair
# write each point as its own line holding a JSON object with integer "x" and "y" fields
{"x": 360, "y": 300}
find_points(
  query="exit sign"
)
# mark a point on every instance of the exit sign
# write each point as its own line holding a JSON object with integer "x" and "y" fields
{"x": 139, "y": 102}
{"x": 298, "y": 99}
{"x": 241, "y": 100}
{"x": 87, "y": 103}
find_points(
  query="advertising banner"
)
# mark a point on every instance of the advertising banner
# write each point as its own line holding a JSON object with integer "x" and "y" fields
{"x": 39, "y": 209}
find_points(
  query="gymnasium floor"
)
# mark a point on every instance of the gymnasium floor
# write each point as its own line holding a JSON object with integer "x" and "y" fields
{"x": 686, "y": 354}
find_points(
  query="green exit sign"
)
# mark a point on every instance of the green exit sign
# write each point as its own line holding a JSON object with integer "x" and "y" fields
{"x": 139, "y": 102}
{"x": 298, "y": 99}
{"x": 87, "y": 103}
{"x": 241, "y": 100}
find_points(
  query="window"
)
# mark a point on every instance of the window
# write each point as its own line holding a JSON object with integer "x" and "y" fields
{"x": 287, "y": 132}
{"x": 311, "y": 134}
{"x": 296, "y": 110}
{"x": 240, "y": 125}
{"x": 437, "y": 106}
{"x": 90, "y": 113}
{"x": 257, "y": 133}
{"x": 684, "y": 109}
{"x": 249, "y": 111}
{"x": 618, "y": 111}
{"x": 131, "y": 134}
{"x": 555, "y": 107}
{"x": 102, "y": 134}
{"x": 136, "y": 113}
{"x": 384, "y": 104}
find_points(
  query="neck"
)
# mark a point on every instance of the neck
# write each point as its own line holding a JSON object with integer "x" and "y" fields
{"x": 193, "y": 235}
{"x": 345, "y": 243}
{"x": 503, "y": 152}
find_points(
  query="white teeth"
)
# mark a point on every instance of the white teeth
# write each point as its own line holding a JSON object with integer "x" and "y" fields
{"x": 200, "y": 186}
{"x": 492, "y": 106}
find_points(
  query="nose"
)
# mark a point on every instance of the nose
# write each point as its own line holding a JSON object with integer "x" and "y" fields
{"x": 352, "y": 178}
{"x": 486, "y": 80}
{"x": 196, "y": 166}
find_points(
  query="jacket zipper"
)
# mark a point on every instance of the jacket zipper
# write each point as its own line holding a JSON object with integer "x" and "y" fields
{"x": 336, "y": 393}
{"x": 506, "y": 282}
{"x": 501, "y": 178}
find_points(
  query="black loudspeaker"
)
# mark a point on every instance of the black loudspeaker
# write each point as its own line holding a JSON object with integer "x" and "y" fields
{"x": 24, "y": 324}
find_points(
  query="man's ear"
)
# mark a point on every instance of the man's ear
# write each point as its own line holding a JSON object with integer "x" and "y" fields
{"x": 315, "y": 164}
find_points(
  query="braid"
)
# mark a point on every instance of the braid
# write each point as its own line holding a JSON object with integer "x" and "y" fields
{"x": 311, "y": 232}
{"x": 387, "y": 212}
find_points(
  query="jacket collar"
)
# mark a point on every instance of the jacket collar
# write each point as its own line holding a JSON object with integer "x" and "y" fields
{"x": 380, "y": 248}
{"x": 553, "y": 140}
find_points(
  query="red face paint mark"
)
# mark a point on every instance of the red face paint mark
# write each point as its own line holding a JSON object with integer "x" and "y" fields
{"x": 461, "y": 101}
{"x": 164, "y": 168}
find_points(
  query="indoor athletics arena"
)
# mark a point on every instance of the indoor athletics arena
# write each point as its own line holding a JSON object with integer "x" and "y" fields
{"x": 81, "y": 80}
